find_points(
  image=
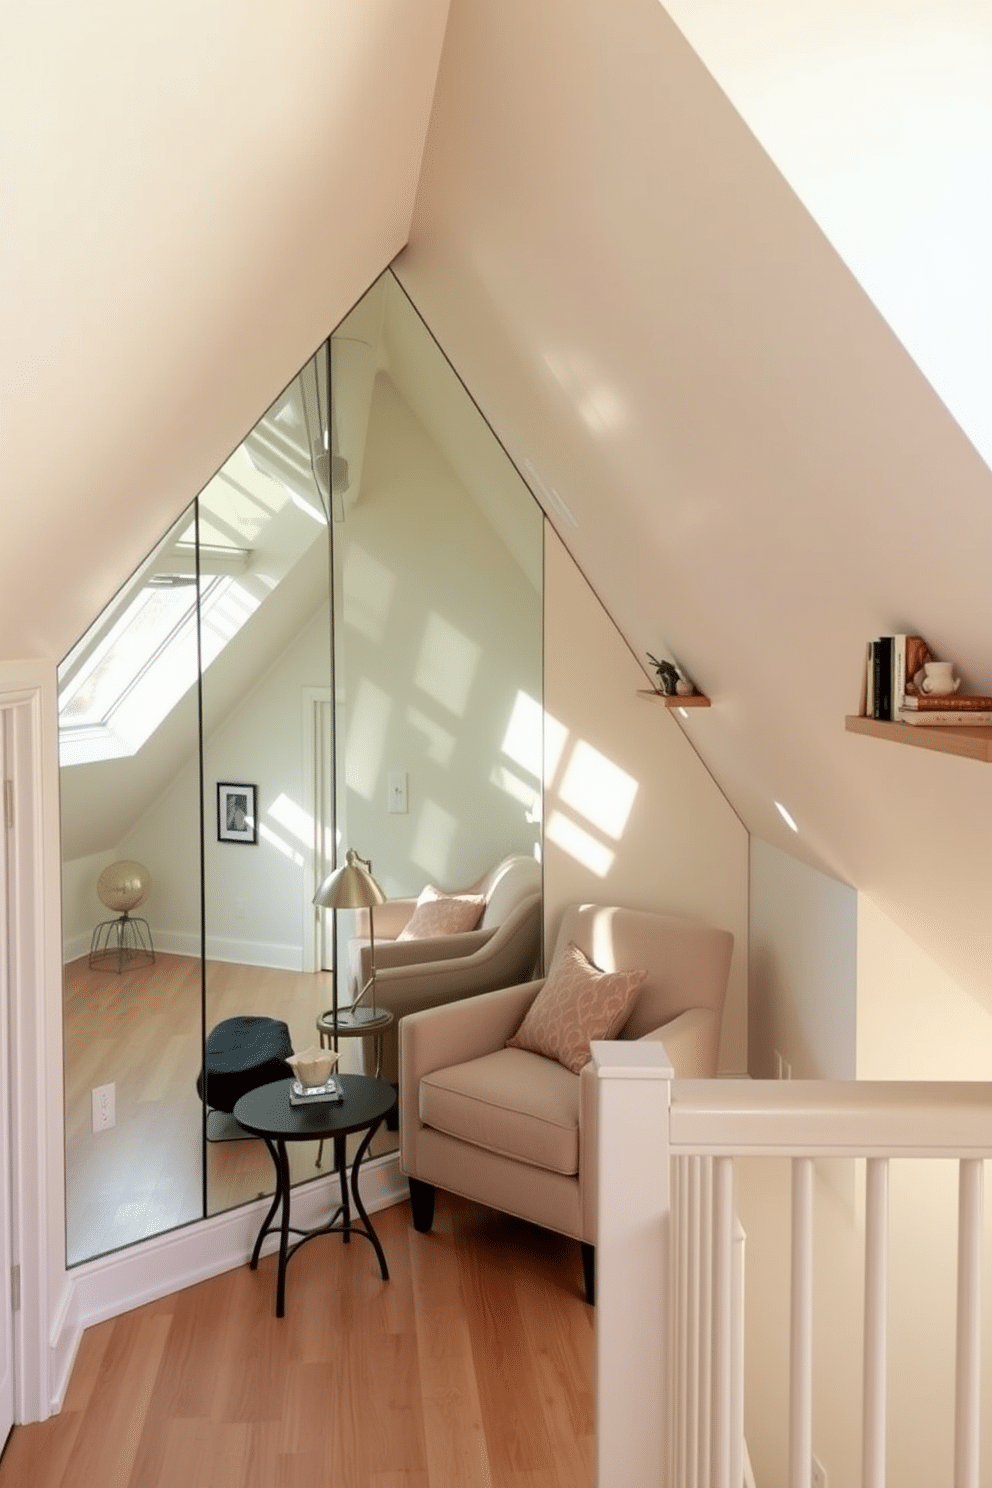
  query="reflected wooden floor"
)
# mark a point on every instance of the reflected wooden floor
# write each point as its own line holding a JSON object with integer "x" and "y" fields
{"x": 141, "y": 1032}
{"x": 471, "y": 1368}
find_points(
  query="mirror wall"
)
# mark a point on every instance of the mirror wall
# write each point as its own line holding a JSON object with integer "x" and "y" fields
{"x": 207, "y": 684}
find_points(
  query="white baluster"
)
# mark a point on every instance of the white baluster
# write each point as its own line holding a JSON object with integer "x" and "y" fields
{"x": 968, "y": 1413}
{"x": 723, "y": 1241}
{"x": 876, "y": 1315}
{"x": 801, "y": 1327}
{"x": 704, "y": 1428}
{"x": 737, "y": 1360}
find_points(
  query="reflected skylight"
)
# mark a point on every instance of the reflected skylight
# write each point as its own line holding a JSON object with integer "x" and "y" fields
{"x": 140, "y": 657}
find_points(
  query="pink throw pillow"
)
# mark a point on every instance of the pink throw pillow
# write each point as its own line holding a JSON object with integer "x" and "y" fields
{"x": 438, "y": 913}
{"x": 578, "y": 1003}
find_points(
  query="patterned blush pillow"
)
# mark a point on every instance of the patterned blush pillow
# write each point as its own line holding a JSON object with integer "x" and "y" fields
{"x": 577, "y": 1003}
{"x": 438, "y": 913}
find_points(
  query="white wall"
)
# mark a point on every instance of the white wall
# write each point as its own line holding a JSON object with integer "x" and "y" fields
{"x": 631, "y": 816}
{"x": 910, "y": 1022}
{"x": 802, "y": 979}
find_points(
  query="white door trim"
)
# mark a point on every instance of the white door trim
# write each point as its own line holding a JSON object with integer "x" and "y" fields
{"x": 318, "y": 799}
{"x": 37, "y": 1148}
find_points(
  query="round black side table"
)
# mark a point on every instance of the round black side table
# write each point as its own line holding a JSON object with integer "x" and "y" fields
{"x": 266, "y": 1111}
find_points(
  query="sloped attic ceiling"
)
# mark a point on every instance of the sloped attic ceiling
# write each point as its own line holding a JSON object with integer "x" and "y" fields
{"x": 762, "y": 479}
{"x": 192, "y": 201}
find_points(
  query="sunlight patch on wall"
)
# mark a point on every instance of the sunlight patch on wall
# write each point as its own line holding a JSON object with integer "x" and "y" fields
{"x": 518, "y": 789}
{"x": 280, "y": 844}
{"x": 293, "y": 818}
{"x": 447, "y": 665}
{"x": 522, "y": 740}
{"x": 233, "y": 607}
{"x": 368, "y": 593}
{"x": 598, "y": 790}
{"x": 579, "y": 844}
{"x": 432, "y": 841}
{"x": 366, "y": 739}
{"x": 555, "y": 739}
{"x": 440, "y": 744}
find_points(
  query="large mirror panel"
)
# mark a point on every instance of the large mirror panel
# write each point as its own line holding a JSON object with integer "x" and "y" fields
{"x": 438, "y": 565}
{"x": 212, "y": 735}
{"x": 268, "y": 813}
{"x": 130, "y": 798}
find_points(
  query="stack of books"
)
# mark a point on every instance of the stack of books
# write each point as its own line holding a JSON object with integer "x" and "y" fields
{"x": 891, "y": 693}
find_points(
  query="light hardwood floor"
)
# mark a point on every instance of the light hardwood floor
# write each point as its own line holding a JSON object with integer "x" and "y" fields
{"x": 472, "y": 1367}
{"x": 141, "y": 1031}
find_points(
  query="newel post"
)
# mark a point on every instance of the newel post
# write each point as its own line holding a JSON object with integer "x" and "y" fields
{"x": 633, "y": 1086}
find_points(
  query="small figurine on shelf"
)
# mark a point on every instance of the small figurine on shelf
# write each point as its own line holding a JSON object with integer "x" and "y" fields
{"x": 670, "y": 680}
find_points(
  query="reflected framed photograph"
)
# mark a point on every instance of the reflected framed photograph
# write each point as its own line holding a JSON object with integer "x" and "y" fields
{"x": 236, "y": 820}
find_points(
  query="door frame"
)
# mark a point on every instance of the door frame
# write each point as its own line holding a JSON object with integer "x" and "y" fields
{"x": 34, "y": 1025}
{"x": 318, "y": 803}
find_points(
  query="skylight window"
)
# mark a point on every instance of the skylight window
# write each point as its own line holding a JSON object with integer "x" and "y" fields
{"x": 123, "y": 687}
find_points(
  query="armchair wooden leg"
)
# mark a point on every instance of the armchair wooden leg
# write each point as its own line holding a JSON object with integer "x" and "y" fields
{"x": 422, "y": 1204}
{"x": 589, "y": 1270}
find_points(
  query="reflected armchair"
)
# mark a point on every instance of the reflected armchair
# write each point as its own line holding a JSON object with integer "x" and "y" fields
{"x": 423, "y": 971}
{"x": 516, "y": 1129}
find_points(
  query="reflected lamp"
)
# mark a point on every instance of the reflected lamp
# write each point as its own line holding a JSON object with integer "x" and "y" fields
{"x": 353, "y": 887}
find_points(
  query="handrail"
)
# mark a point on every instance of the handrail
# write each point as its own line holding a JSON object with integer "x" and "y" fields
{"x": 663, "y": 1251}
{"x": 819, "y": 1118}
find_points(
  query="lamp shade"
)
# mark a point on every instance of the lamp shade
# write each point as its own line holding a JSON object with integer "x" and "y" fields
{"x": 350, "y": 887}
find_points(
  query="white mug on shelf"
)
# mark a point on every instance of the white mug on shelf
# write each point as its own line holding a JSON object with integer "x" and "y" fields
{"x": 939, "y": 678}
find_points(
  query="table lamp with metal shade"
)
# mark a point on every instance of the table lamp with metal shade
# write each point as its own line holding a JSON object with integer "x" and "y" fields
{"x": 353, "y": 887}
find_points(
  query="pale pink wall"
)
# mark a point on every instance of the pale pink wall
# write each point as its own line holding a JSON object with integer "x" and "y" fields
{"x": 192, "y": 199}
{"x": 651, "y": 317}
{"x": 679, "y": 847}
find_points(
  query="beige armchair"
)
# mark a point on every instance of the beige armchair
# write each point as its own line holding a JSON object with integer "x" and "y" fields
{"x": 515, "y": 1129}
{"x": 411, "y": 975}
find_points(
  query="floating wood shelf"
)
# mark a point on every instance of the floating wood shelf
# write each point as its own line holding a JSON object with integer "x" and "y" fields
{"x": 954, "y": 738}
{"x": 672, "y": 699}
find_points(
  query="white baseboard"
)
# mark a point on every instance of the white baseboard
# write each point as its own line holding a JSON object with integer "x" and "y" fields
{"x": 116, "y": 1283}
{"x": 272, "y": 954}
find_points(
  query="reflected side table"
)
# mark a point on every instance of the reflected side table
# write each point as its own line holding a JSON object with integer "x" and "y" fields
{"x": 267, "y": 1113}
{"x": 355, "y": 1023}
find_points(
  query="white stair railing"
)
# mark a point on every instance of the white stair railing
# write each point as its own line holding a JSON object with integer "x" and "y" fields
{"x": 670, "y": 1258}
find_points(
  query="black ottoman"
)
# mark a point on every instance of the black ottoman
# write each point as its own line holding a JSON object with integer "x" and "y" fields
{"x": 242, "y": 1053}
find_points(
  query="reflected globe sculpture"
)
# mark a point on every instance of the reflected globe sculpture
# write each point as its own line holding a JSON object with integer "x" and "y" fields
{"x": 126, "y": 941}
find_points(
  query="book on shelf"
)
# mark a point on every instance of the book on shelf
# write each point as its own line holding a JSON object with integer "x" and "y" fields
{"x": 880, "y": 686}
{"x": 946, "y": 717}
{"x": 951, "y": 702}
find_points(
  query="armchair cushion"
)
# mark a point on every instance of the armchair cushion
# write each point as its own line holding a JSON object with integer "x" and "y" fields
{"x": 577, "y": 1003}
{"x": 510, "y": 1102}
{"x": 437, "y": 913}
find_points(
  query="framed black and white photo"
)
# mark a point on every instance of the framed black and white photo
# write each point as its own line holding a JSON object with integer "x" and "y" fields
{"x": 236, "y": 820}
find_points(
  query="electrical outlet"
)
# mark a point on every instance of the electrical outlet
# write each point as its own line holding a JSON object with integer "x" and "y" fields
{"x": 104, "y": 1107}
{"x": 819, "y": 1479}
